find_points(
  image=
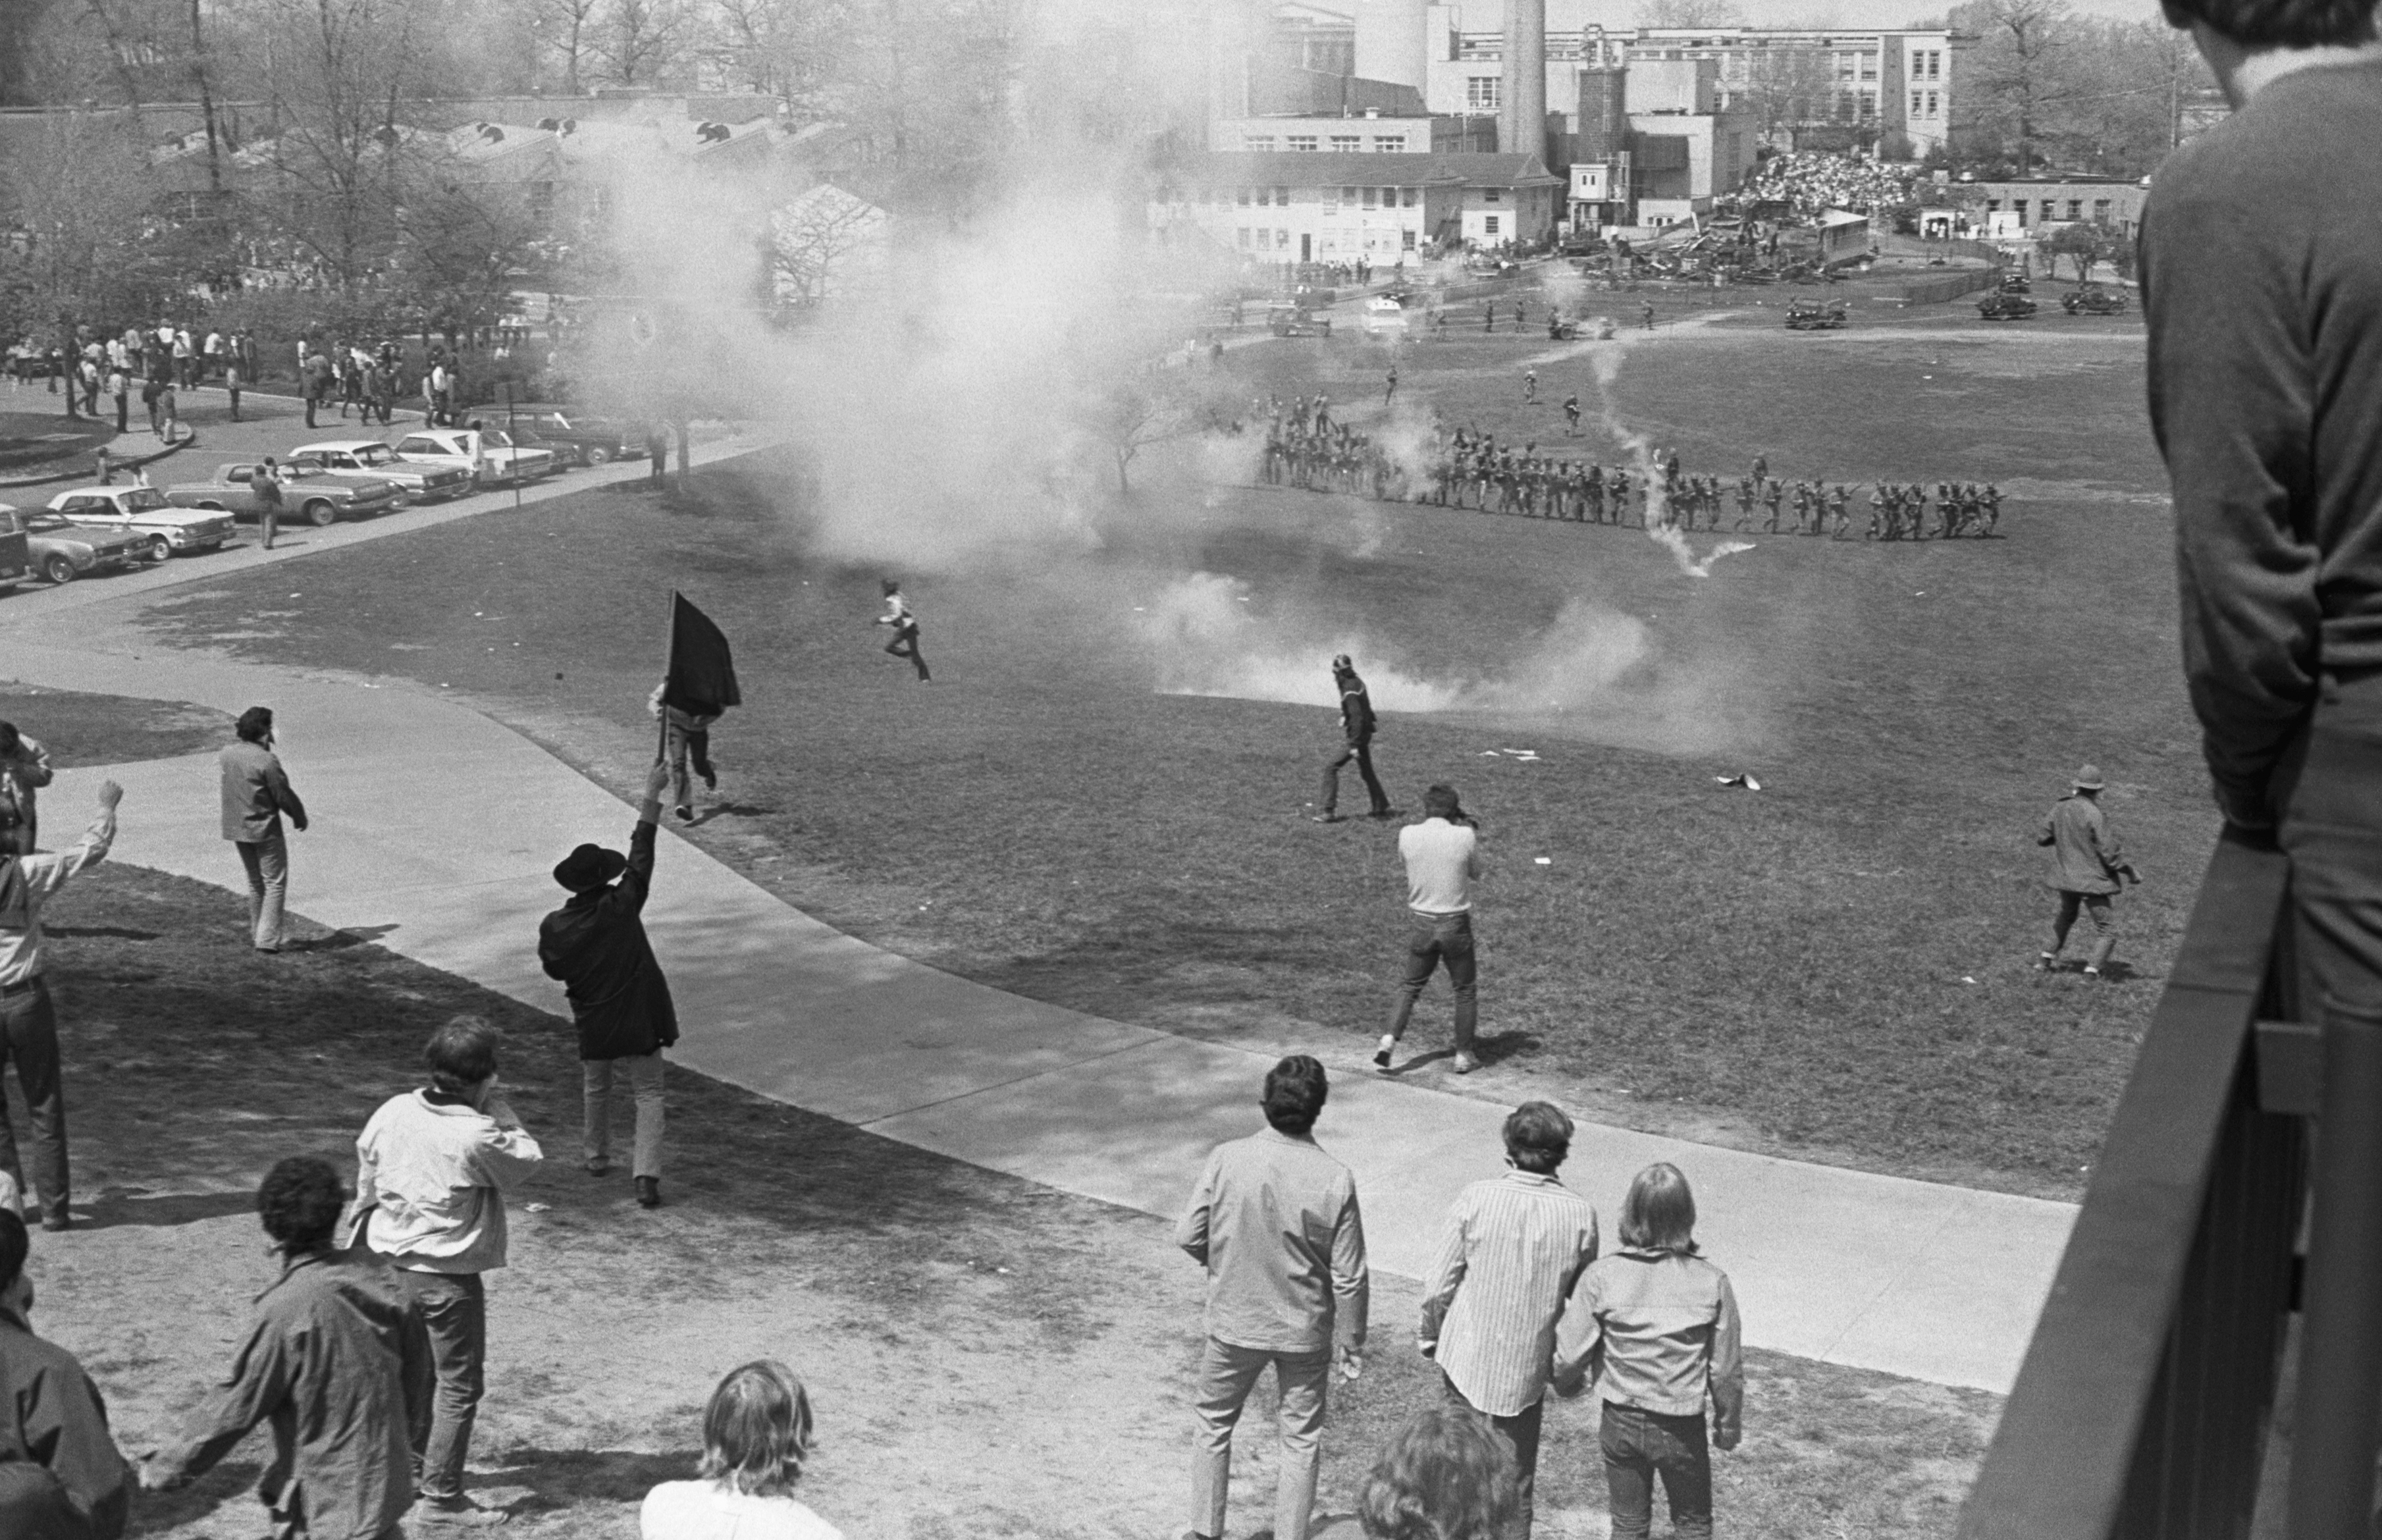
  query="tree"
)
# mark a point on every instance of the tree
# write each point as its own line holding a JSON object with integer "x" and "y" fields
{"x": 1129, "y": 416}
{"x": 1690, "y": 13}
{"x": 2083, "y": 245}
{"x": 563, "y": 26}
{"x": 817, "y": 242}
{"x": 90, "y": 247}
{"x": 2025, "y": 66}
{"x": 639, "y": 38}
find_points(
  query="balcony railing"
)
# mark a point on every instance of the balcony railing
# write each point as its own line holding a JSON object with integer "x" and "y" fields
{"x": 2143, "y": 1404}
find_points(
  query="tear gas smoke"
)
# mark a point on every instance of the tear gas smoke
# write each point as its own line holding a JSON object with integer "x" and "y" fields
{"x": 1604, "y": 360}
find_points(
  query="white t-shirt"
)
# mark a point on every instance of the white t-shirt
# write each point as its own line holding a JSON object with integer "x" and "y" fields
{"x": 1441, "y": 860}
{"x": 706, "y": 1510}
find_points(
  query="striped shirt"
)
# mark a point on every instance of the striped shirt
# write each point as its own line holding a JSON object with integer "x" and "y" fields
{"x": 1512, "y": 1248}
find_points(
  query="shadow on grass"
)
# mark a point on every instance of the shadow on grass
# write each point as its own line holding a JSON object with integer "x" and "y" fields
{"x": 229, "y": 1490}
{"x": 111, "y": 1211}
{"x": 82, "y": 933}
{"x": 566, "y": 1478}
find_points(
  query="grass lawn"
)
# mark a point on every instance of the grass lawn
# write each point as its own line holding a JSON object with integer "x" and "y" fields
{"x": 83, "y": 729}
{"x": 1099, "y": 802}
{"x": 987, "y": 1357}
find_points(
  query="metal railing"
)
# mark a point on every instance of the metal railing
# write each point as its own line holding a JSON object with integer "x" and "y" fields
{"x": 2142, "y": 1407}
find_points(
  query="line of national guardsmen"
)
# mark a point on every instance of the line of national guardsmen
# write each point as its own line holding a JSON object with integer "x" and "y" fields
{"x": 1306, "y": 447}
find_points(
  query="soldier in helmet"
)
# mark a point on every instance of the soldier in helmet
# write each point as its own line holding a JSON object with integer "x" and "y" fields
{"x": 2087, "y": 868}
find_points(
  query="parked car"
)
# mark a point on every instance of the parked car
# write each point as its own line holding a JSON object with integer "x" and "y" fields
{"x": 1815, "y": 315}
{"x": 15, "y": 562}
{"x": 370, "y": 460}
{"x": 2016, "y": 283}
{"x": 576, "y": 435}
{"x": 317, "y": 496}
{"x": 1291, "y": 321}
{"x": 2093, "y": 299}
{"x": 145, "y": 511}
{"x": 490, "y": 456}
{"x": 2005, "y": 307}
{"x": 63, "y": 552}
{"x": 1384, "y": 314}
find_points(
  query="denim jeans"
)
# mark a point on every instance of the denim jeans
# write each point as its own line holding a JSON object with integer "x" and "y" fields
{"x": 644, "y": 1073}
{"x": 1638, "y": 1446}
{"x": 1434, "y": 938}
{"x": 1521, "y": 1431}
{"x": 28, "y": 1039}
{"x": 2330, "y": 825}
{"x": 1227, "y": 1375}
{"x": 267, "y": 861}
{"x": 455, "y": 1309}
{"x": 1363, "y": 753}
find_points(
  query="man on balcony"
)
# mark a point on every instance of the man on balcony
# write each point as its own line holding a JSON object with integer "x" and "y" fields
{"x": 2264, "y": 310}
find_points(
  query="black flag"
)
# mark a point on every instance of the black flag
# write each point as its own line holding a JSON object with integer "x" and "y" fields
{"x": 702, "y": 676}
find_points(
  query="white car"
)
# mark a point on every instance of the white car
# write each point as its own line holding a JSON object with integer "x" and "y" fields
{"x": 370, "y": 460}
{"x": 1384, "y": 314}
{"x": 490, "y": 456}
{"x": 145, "y": 510}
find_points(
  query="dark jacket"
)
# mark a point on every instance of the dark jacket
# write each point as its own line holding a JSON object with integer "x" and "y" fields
{"x": 595, "y": 945}
{"x": 2085, "y": 857}
{"x": 50, "y": 1415}
{"x": 337, "y": 1361}
{"x": 1357, "y": 720}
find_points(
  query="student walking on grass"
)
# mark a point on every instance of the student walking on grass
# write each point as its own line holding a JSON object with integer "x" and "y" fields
{"x": 1654, "y": 1329}
{"x": 2087, "y": 866}
{"x": 432, "y": 1168}
{"x": 1358, "y": 724}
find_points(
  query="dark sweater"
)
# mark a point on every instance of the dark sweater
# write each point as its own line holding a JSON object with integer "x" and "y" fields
{"x": 2262, "y": 278}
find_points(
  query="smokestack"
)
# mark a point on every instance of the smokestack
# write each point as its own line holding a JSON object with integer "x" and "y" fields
{"x": 1522, "y": 110}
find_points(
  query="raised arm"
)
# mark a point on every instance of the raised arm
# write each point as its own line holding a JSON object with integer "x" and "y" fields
{"x": 46, "y": 874}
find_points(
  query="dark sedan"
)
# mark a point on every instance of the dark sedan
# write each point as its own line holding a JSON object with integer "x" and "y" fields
{"x": 570, "y": 433}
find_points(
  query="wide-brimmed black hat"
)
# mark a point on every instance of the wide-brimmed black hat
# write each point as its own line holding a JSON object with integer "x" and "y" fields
{"x": 590, "y": 865}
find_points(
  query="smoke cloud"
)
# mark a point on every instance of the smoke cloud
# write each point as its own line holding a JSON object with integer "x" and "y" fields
{"x": 1604, "y": 361}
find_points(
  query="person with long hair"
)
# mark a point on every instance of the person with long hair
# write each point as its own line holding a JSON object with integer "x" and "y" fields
{"x": 1447, "y": 1474}
{"x": 756, "y": 1433}
{"x": 1657, "y": 1324}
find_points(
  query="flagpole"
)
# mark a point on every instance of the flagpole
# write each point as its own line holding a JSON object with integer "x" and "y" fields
{"x": 670, "y": 662}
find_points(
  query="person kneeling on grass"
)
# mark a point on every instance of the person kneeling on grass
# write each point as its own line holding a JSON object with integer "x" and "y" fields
{"x": 756, "y": 1433}
{"x": 1658, "y": 1324}
{"x": 337, "y": 1359}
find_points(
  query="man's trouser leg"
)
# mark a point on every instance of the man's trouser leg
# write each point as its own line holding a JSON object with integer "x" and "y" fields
{"x": 1422, "y": 956}
{"x": 645, "y": 1072}
{"x": 596, "y": 1109}
{"x": 1639, "y": 1446}
{"x": 682, "y": 792}
{"x": 1521, "y": 1431}
{"x": 2065, "y": 921}
{"x": 1454, "y": 937}
{"x": 267, "y": 861}
{"x": 29, "y": 1037}
{"x": 698, "y": 748}
{"x": 2331, "y": 828}
{"x": 1372, "y": 783}
{"x": 2104, "y": 929}
{"x": 1303, "y": 1380}
{"x": 1226, "y": 1375}
{"x": 455, "y": 1309}
{"x": 1328, "y": 796}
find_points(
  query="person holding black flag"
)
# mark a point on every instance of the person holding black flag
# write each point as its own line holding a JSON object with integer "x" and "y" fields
{"x": 699, "y": 685}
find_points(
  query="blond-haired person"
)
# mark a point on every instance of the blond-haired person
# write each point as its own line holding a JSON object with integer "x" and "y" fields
{"x": 1655, "y": 1327}
{"x": 756, "y": 1433}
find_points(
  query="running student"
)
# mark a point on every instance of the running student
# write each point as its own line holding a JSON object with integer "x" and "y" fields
{"x": 904, "y": 643}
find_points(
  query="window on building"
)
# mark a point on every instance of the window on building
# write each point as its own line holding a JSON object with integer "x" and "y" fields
{"x": 1488, "y": 226}
{"x": 1370, "y": 196}
{"x": 1935, "y": 103}
{"x": 1302, "y": 143}
{"x": 1934, "y": 64}
{"x": 1482, "y": 93}
{"x": 1917, "y": 101}
{"x": 2018, "y": 206}
{"x": 1389, "y": 144}
{"x": 1262, "y": 142}
{"x": 1281, "y": 196}
{"x": 1348, "y": 143}
{"x": 1348, "y": 197}
{"x": 1243, "y": 233}
{"x": 1493, "y": 194}
{"x": 1845, "y": 107}
{"x": 1389, "y": 197}
{"x": 1406, "y": 238}
{"x": 2100, "y": 211}
{"x": 1265, "y": 196}
{"x": 2075, "y": 208}
{"x": 1282, "y": 240}
{"x": 1869, "y": 66}
{"x": 1992, "y": 205}
{"x": 1240, "y": 196}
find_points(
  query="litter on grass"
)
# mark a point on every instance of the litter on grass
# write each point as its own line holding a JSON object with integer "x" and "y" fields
{"x": 1546, "y": 860}
{"x": 1742, "y": 779}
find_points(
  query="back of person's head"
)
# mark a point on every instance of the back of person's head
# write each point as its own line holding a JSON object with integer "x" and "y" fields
{"x": 300, "y": 1202}
{"x": 1660, "y": 1212}
{"x": 889, "y": 585}
{"x": 255, "y": 724}
{"x": 758, "y": 1429}
{"x": 1538, "y": 1137}
{"x": 1445, "y": 1475}
{"x": 1294, "y": 1091}
{"x": 461, "y": 1053}
{"x": 14, "y": 1246}
{"x": 2280, "y": 23}
{"x": 1441, "y": 802}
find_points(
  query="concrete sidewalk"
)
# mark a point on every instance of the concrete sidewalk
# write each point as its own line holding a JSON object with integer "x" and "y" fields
{"x": 1936, "y": 1283}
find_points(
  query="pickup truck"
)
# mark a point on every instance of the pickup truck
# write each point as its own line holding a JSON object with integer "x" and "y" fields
{"x": 318, "y": 496}
{"x": 62, "y": 551}
{"x": 145, "y": 510}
